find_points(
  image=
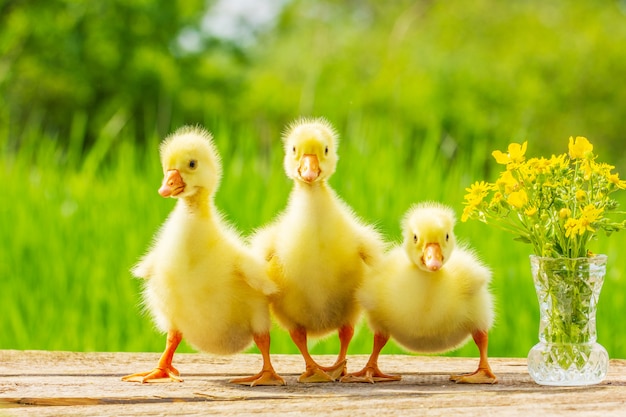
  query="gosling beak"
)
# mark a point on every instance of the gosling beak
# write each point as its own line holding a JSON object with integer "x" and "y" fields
{"x": 432, "y": 258}
{"x": 309, "y": 168}
{"x": 172, "y": 185}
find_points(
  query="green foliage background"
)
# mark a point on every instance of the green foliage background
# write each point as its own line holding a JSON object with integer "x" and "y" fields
{"x": 420, "y": 91}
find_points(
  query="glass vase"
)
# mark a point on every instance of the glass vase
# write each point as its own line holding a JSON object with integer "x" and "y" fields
{"x": 568, "y": 290}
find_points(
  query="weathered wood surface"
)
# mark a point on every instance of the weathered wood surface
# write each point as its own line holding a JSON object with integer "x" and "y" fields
{"x": 64, "y": 383}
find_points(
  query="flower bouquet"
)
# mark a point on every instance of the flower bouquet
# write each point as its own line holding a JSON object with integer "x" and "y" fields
{"x": 557, "y": 205}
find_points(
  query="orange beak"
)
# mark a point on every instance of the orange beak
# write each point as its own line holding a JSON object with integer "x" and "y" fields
{"x": 172, "y": 185}
{"x": 309, "y": 168}
{"x": 432, "y": 258}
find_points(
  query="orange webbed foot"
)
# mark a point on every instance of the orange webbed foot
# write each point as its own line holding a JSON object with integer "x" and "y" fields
{"x": 169, "y": 374}
{"x": 337, "y": 370}
{"x": 263, "y": 378}
{"x": 370, "y": 374}
{"x": 315, "y": 375}
{"x": 481, "y": 376}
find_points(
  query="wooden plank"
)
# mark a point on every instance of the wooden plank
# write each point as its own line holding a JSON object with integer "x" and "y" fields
{"x": 67, "y": 383}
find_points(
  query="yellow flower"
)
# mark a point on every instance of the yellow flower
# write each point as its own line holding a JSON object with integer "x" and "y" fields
{"x": 580, "y": 148}
{"x": 588, "y": 168}
{"x": 591, "y": 213}
{"x": 497, "y": 198}
{"x": 614, "y": 179}
{"x": 477, "y": 191}
{"x": 564, "y": 213}
{"x": 518, "y": 199}
{"x": 573, "y": 227}
{"x": 528, "y": 172}
{"x": 531, "y": 211}
{"x": 467, "y": 212}
{"x": 558, "y": 162}
{"x": 605, "y": 168}
{"x": 583, "y": 224}
{"x": 540, "y": 165}
{"x": 515, "y": 154}
{"x": 507, "y": 181}
{"x": 580, "y": 195}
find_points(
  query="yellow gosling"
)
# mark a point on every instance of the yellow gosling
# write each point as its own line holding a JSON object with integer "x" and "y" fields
{"x": 202, "y": 282}
{"x": 429, "y": 295}
{"x": 317, "y": 250}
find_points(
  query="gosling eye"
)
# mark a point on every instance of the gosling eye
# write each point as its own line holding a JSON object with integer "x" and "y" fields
{"x": 193, "y": 164}
{"x": 447, "y": 237}
{"x": 414, "y": 238}
{"x": 294, "y": 150}
{"x": 326, "y": 151}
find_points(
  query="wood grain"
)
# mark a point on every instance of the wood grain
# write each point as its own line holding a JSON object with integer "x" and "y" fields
{"x": 68, "y": 383}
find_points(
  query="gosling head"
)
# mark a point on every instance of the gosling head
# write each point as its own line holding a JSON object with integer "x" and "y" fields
{"x": 190, "y": 163}
{"x": 310, "y": 150}
{"x": 428, "y": 235}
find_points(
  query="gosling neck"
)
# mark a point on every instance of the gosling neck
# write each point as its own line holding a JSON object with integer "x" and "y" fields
{"x": 199, "y": 204}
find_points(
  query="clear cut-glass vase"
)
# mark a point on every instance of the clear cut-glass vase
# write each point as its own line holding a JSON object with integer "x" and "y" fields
{"x": 568, "y": 290}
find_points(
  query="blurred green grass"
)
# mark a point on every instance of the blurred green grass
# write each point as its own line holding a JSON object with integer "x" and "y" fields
{"x": 72, "y": 226}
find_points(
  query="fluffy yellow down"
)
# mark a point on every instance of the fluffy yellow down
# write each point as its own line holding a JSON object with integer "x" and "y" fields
{"x": 422, "y": 310}
{"x": 318, "y": 251}
{"x": 201, "y": 279}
